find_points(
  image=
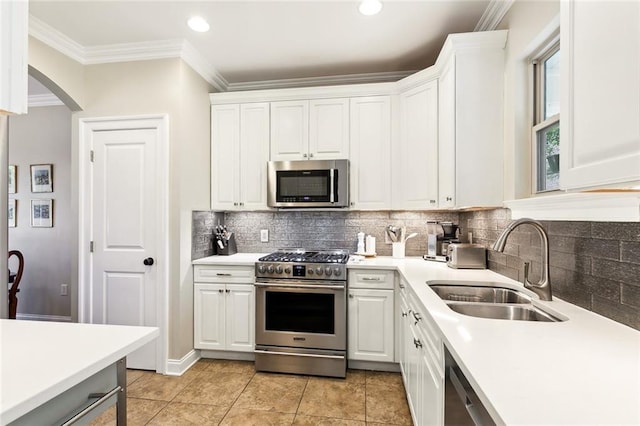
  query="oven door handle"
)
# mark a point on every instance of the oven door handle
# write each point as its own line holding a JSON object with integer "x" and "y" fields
{"x": 309, "y": 286}
{"x": 298, "y": 354}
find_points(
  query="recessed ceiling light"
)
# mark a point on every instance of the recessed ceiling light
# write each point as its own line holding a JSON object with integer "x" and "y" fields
{"x": 197, "y": 23}
{"x": 370, "y": 7}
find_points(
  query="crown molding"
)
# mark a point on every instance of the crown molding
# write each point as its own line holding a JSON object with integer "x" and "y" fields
{"x": 493, "y": 14}
{"x": 195, "y": 60}
{"x": 47, "y": 99}
{"x": 55, "y": 39}
{"x": 365, "y": 78}
{"x": 125, "y": 52}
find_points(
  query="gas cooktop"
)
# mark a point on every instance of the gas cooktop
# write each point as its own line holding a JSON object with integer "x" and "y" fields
{"x": 304, "y": 256}
{"x": 303, "y": 264}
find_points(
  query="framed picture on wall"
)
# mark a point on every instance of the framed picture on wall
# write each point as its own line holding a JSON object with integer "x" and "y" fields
{"x": 42, "y": 178}
{"x": 12, "y": 179}
{"x": 11, "y": 213}
{"x": 41, "y": 213}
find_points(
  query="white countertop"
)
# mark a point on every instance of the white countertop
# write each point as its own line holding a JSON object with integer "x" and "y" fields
{"x": 39, "y": 360}
{"x": 238, "y": 259}
{"x": 585, "y": 370}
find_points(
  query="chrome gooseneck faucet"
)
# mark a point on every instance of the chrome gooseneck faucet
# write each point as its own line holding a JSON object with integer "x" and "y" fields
{"x": 543, "y": 287}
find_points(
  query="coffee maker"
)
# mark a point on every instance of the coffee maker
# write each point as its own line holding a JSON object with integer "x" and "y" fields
{"x": 439, "y": 236}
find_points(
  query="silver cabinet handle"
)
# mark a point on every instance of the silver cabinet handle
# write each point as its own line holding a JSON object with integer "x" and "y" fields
{"x": 103, "y": 398}
{"x": 370, "y": 279}
{"x": 417, "y": 317}
{"x": 220, "y": 274}
{"x": 417, "y": 343}
{"x": 404, "y": 314}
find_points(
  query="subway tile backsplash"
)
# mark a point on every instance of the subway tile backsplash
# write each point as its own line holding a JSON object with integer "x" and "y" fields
{"x": 595, "y": 265}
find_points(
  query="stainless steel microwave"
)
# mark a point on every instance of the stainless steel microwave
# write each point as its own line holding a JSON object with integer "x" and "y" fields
{"x": 310, "y": 183}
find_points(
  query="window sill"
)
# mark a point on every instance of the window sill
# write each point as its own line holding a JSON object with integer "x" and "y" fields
{"x": 615, "y": 206}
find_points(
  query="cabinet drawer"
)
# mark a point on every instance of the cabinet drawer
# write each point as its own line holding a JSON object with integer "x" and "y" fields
{"x": 368, "y": 278}
{"x": 223, "y": 274}
{"x": 433, "y": 341}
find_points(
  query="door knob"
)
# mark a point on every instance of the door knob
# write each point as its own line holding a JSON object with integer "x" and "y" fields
{"x": 148, "y": 261}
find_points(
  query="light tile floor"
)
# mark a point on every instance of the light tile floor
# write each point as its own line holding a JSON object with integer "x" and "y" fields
{"x": 219, "y": 392}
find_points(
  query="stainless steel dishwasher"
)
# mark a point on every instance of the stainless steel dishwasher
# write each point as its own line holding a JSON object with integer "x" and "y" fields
{"x": 462, "y": 406}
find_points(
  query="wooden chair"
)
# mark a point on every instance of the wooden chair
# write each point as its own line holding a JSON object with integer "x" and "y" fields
{"x": 13, "y": 298}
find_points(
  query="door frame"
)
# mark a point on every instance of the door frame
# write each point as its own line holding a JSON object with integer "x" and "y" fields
{"x": 86, "y": 127}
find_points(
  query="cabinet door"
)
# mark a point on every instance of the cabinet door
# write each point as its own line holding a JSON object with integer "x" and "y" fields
{"x": 370, "y": 153}
{"x": 329, "y": 129}
{"x": 254, "y": 154}
{"x": 240, "y": 317}
{"x": 209, "y": 316}
{"x": 447, "y": 136}
{"x": 289, "y": 130}
{"x": 418, "y": 149}
{"x": 430, "y": 407}
{"x": 370, "y": 328}
{"x": 413, "y": 373}
{"x": 14, "y": 29}
{"x": 225, "y": 153}
{"x": 600, "y": 93}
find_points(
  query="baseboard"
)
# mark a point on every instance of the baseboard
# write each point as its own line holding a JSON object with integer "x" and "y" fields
{"x": 373, "y": 365}
{"x": 235, "y": 356}
{"x": 38, "y": 317}
{"x": 177, "y": 367}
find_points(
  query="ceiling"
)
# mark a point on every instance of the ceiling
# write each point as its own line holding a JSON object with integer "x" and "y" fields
{"x": 253, "y": 41}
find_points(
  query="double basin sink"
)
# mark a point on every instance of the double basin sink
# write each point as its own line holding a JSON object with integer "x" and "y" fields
{"x": 489, "y": 300}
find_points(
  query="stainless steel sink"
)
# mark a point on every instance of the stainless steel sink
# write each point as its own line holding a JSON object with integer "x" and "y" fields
{"x": 479, "y": 294}
{"x": 508, "y": 312}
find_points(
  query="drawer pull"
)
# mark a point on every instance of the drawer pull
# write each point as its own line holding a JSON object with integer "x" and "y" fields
{"x": 221, "y": 274}
{"x": 370, "y": 279}
{"x": 417, "y": 343}
{"x": 103, "y": 398}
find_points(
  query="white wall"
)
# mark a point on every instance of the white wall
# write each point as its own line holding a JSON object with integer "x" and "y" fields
{"x": 527, "y": 22}
{"x": 43, "y": 136}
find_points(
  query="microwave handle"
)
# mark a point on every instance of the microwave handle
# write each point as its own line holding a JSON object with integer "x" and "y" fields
{"x": 332, "y": 176}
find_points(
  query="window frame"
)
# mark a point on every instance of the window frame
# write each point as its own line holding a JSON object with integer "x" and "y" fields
{"x": 538, "y": 122}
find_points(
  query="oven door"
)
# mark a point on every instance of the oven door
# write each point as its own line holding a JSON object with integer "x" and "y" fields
{"x": 301, "y": 314}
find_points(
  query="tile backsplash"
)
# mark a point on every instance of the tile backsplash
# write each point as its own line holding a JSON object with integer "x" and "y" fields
{"x": 327, "y": 229}
{"x": 595, "y": 265}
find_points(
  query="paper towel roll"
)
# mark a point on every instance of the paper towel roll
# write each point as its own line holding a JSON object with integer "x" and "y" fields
{"x": 370, "y": 244}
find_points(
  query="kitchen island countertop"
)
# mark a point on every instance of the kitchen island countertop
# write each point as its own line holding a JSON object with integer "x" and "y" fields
{"x": 40, "y": 360}
{"x": 584, "y": 370}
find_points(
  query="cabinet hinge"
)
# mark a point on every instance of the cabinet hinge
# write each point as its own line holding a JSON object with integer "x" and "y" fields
{"x": 91, "y": 154}
{"x": 90, "y": 246}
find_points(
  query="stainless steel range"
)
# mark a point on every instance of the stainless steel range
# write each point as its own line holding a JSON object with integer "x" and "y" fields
{"x": 301, "y": 312}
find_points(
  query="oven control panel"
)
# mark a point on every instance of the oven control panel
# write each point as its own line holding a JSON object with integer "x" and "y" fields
{"x": 315, "y": 271}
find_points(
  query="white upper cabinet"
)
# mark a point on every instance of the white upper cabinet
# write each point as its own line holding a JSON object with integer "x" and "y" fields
{"x": 370, "y": 167}
{"x": 310, "y": 130}
{"x": 329, "y": 129}
{"x": 14, "y": 27}
{"x": 239, "y": 155}
{"x": 471, "y": 91}
{"x": 289, "y": 130}
{"x": 600, "y": 93}
{"x": 416, "y": 165}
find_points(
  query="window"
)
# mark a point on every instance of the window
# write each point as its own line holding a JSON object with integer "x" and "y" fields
{"x": 546, "y": 123}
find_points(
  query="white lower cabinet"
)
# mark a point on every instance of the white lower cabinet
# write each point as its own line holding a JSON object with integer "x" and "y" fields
{"x": 370, "y": 328}
{"x": 370, "y": 325}
{"x": 421, "y": 361}
{"x": 224, "y": 312}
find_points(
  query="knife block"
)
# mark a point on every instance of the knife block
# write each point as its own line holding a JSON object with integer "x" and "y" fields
{"x": 229, "y": 246}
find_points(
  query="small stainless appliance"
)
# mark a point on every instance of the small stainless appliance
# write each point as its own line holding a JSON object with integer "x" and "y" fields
{"x": 311, "y": 183}
{"x": 467, "y": 256}
{"x": 301, "y": 312}
{"x": 439, "y": 236}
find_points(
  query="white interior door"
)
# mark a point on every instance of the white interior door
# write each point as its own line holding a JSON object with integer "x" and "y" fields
{"x": 125, "y": 228}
